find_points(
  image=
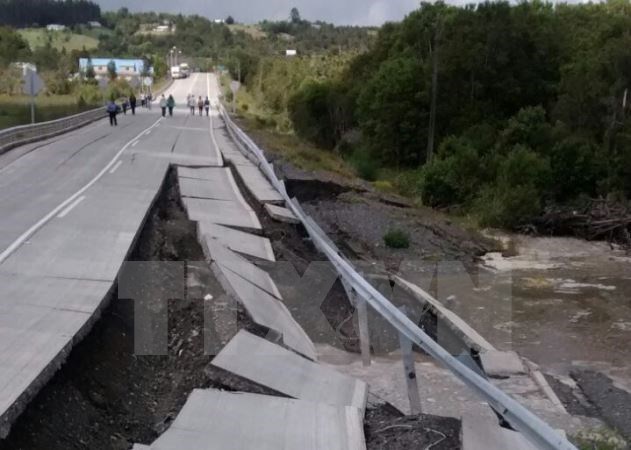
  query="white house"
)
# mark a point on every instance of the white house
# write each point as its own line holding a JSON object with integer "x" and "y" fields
{"x": 95, "y": 24}
{"x": 289, "y": 52}
{"x": 55, "y": 27}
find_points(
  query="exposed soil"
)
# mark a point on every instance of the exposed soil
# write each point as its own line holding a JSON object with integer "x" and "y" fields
{"x": 108, "y": 397}
{"x": 387, "y": 429}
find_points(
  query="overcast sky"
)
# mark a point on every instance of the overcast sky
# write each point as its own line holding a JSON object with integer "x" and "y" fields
{"x": 352, "y": 12}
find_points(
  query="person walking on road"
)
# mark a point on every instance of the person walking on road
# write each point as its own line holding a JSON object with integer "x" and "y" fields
{"x": 132, "y": 104}
{"x": 125, "y": 105}
{"x": 112, "y": 110}
{"x": 207, "y": 106}
{"x": 163, "y": 105}
{"x": 191, "y": 104}
{"x": 200, "y": 106}
{"x": 170, "y": 105}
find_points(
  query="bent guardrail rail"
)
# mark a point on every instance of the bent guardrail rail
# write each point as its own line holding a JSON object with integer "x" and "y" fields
{"x": 532, "y": 427}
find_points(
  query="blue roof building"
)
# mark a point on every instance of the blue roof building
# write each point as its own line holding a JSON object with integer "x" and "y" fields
{"x": 125, "y": 68}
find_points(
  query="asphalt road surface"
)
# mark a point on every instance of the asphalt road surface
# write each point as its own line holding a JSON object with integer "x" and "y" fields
{"x": 70, "y": 210}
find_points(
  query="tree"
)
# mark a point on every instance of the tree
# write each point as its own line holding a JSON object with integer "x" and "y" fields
{"x": 111, "y": 70}
{"x": 294, "y": 16}
{"x": 89, "y": 71}
{"x": 12, "y": 47}
{"x": 230, "y": 20}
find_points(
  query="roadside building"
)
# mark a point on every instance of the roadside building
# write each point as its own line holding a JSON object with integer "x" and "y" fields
{"x": 289, "y": 52}
{"x": 127, "y": 69}
{"x": 95, "y": 24}
{"x": 55, "y": 27}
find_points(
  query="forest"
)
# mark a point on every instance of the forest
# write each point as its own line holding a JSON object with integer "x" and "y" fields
{"x": 27, "y": 13}
{"x": 498, "y": 110}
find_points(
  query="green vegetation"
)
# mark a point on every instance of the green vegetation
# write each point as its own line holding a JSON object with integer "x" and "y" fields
{"x": 59, "y": 40}
{"x": 495, "y": 110}
{"x": 15, "y": 110}
{"x": 396, "y": 239}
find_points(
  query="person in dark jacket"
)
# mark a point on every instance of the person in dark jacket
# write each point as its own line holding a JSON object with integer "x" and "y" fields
{"x": 170, "y": 105}
{"x": 207, "y": 106}
{"x": 112, "y": 110}
{"x": 132, "y": 103}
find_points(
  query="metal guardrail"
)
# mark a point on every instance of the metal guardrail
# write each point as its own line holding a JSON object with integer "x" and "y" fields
{"x": 25, "y": 134}
{"x": 532, "y": 427}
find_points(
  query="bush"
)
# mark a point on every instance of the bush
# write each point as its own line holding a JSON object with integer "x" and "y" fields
{"x": 365, "y": 166}
{"x": 396, "y": 239}
{"x": 499, "y": 206}
{"x": 454, "y": 177}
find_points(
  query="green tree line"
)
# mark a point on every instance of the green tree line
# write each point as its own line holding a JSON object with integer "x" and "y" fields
{"x": 494, "y": 108}
{"x": 26, "y": 13}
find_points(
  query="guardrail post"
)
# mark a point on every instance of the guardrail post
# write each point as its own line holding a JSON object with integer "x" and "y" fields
{"x": 410, "y": 371}
{"x": 364, "y": 334}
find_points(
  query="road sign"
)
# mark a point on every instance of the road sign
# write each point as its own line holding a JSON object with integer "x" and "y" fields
{"x": 148, "y": 81}
{"x": 33, "y": 84}
{"x": 235, "y": 85}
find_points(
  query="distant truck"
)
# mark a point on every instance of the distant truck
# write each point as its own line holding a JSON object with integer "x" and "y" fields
{"x": 185, "y": 70}
{"x": 176, "y": 73}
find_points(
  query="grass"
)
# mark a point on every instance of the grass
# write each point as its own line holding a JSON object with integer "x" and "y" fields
{"x": 15, "y": 110}
{"x": 396, "y": 239}
{"x": 253, "y": 30}
{"x": 38, "y": 37}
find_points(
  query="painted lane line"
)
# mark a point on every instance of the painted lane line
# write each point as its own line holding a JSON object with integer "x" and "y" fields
{"x": 118, "y": 164}
{"x": 28, "y": 233}
{"x": 135, "y": 144}
{"x": 65, "y": 212}
{"x": 212, "y": 129}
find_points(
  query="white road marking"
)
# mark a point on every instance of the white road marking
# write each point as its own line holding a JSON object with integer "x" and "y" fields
{"x": 147, "y": 133}
{"x": 118, "y": 164}
{"x": 65, "y": 212}
{"x": 28, "y": 233}
{"x": 212, "y": 129}
{"x": 134, "y": 144}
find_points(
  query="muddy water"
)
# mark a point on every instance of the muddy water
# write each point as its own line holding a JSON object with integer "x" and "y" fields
{"x": 560, "y": 302}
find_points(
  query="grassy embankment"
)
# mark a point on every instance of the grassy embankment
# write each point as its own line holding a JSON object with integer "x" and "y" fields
{"x": 261, "y": 124}
{"x": 38, "y": 37}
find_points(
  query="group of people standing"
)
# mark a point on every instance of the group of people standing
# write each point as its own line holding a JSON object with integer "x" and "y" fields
{"x": 166, "y": 104}
{"x": 129, "y": 103}
{"x": 200, "y": 103}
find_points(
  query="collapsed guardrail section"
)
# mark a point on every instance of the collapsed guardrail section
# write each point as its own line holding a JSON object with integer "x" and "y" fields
{"x": 532, "y": 427}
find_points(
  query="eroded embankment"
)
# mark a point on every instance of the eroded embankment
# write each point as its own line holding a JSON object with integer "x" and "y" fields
{"x": 107, "y": 397}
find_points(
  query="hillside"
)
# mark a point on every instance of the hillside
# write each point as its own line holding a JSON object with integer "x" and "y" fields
{"x": 38, "y": 37}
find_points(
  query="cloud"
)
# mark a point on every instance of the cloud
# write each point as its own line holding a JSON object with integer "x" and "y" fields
{"x": 352, "y": 12}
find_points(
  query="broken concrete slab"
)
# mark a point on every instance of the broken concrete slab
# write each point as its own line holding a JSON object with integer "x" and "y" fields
{"x": 272, "y": 366}
{"x": 240, "y": 266}
{"x": 266, "y": 310}
{"x": 237, "y": 241}
{"x": 502, "y": 364}
{"x": 221, "y": 212}
{"x": 482, "y": 434}
{"x": 216, "y": 420}
{"x": 281, "y": 214}
{"x": 210, "y": 183}
{"x": 258, "y": 185}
